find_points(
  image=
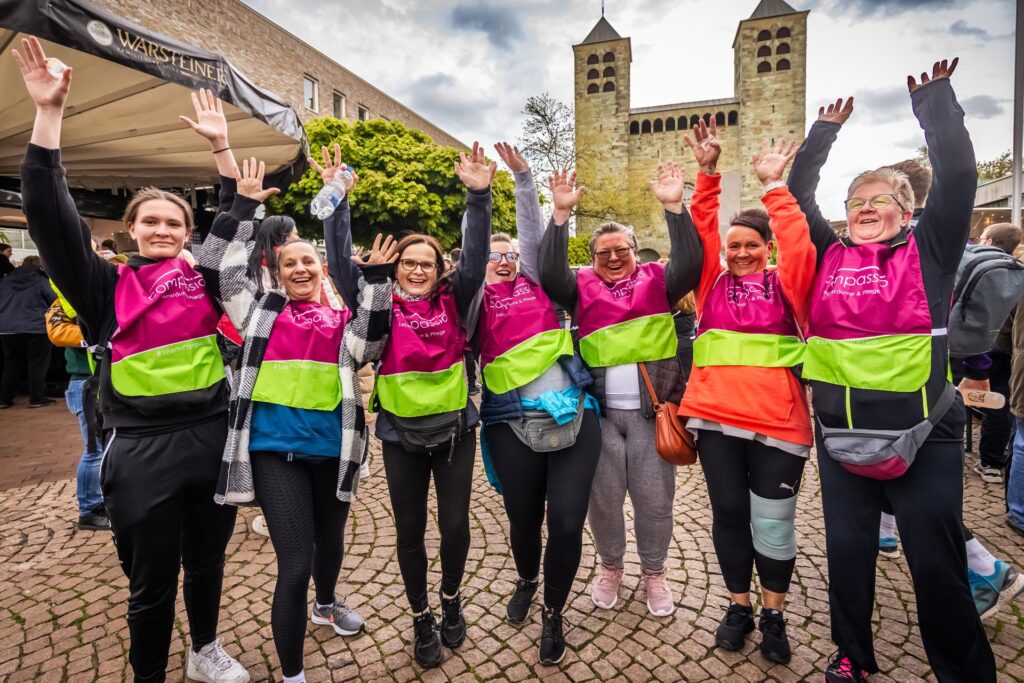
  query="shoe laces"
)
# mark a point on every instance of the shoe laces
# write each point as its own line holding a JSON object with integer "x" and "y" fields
{"x": 607, "y": 577}
{"x": 842, "y": 665}
{"x": 736, "y": 614}
{"x": 451, "y": 609}
{"x": 657, "y": 585}
{"x": 773, "y": 623}
{"x": 424, "y": 625}
{"x": 552, "y": 624}
{"x": 214, "y": 653}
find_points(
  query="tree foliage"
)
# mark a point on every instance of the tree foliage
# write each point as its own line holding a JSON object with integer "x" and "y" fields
{"x": 406, "y": 182}
{"x": 579, "y": 250}
{"x": 996, "y": 168}
{"x": 548, "y": 138}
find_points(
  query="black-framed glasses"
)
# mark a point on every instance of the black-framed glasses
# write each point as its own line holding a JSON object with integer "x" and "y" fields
{"x": 879, "y": 201}
{"x": 409, "y": 265}
{"x": 496, "y": 256}
{"x": 620, "y": 253}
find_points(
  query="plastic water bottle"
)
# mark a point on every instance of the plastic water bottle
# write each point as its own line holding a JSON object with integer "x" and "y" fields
{"x": 328, "y": 199}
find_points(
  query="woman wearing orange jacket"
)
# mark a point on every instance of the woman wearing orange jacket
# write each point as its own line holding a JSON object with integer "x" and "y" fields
{"x": 745, "y": 405}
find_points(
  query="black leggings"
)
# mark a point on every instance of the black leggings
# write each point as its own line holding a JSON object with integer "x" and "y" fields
{"x": 562, "y": 479}
{"x": 307, "y": 527}
{"x": 734, "y": 468}
{"x": 408, "y": 477}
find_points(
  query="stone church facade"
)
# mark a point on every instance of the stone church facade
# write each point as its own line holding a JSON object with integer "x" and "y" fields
{"x": 619, "y": 147}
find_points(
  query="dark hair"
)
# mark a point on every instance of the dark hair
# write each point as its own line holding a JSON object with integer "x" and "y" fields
{"x": 419, "y": 238}
{"x": 32, "y": 262}
{"x": 109, "y": 244}
{"x": 756, "y": 220}
{"x": 5, "y": 247}
{"x": 920, "y": 177}
{"x": 271, "y": 233}
{"x": 455, "y": 254}
{"x": 1006, "y": 236}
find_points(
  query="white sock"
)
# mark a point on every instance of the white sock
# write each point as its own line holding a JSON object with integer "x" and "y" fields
{"x": 297, "y": 678}
{"x": 980, "y": 559}
{"x": 887, "y": 527}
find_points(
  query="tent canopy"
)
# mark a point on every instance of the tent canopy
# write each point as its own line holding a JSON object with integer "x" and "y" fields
{"x": 121, "y": 127}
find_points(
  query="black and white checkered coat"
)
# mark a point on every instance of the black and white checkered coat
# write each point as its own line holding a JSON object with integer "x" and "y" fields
{"x": 223, "y": 261}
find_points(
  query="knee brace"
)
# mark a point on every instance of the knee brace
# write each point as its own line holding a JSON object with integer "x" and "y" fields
{"x": 771, "y": 523}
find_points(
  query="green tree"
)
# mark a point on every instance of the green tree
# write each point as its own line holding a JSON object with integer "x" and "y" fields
{"x": 406, "y": 182}
{"x": 579, "y": 250}
{"x": 996, "y": 168}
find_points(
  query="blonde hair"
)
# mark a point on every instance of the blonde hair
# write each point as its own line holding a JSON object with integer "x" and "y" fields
{"x": 147, "y": 194}
{"x": 897, "y": 180}
{"x": 501, "y": 237}
{"x": 610, "y": 227}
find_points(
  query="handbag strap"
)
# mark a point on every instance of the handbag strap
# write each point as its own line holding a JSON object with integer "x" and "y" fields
{"x": 650, "y": 386}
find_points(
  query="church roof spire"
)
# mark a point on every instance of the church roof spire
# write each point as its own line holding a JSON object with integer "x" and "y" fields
{"x": 601, "y": 32}
{"x": 772, "y": 8}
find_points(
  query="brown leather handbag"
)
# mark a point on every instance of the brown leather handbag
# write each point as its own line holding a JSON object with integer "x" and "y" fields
{"x": 673, "y": 441}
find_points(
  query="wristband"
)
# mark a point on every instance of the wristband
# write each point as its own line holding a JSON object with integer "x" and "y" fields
{"x": 773, "y": 185}
{"x": 222, "y": 149}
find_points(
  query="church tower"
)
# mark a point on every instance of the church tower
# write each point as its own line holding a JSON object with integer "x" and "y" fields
{"x": 770, "y": 51}
{"x": 602, "y": 63}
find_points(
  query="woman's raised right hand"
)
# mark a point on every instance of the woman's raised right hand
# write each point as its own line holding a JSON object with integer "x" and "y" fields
{"x": 47, "y": 92}
{"x": 331, "y": 166}
{"x": 565, "y": 194}
{"x": 707, "y": 147}
{"x": 250, "y": 181}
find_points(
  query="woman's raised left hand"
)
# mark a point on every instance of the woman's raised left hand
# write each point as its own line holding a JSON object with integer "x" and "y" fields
{"x": 473, "y": 170}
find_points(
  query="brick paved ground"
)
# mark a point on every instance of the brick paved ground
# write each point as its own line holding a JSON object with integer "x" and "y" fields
{"x": 62, "y": 593}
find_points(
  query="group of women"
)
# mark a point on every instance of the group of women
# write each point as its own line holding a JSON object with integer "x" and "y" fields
{"x": 568, "y": 426}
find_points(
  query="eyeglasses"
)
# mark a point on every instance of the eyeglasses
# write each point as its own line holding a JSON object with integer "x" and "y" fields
{"x": 879, "y": 201}
{"x": 409, "y": 265}
{"x": 620, "y": 253}
{"x": 496, "y": 256}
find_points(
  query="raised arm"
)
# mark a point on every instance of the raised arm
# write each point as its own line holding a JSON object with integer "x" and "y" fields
{"x": 704, "y": 206}
{"x": 477, "y": 175}
{"x": 338, "y": 231}
{"x": 529, "y": 222}
{"x": 367, "y": 332}
{"x": 946, "y": 222}
{"x": 685, "y": 258}
{"x": 556, "y": 277}
{"x": 211, "y": 124}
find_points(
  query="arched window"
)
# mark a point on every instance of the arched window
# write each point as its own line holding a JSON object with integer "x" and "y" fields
{"x": 783, "y": 33}
{"x": 659, "y": 126}
{"x": 609, "y": 72}
{"x": 670, "y": 124}
{"x": 645, "y": 127}
{"x": 707, "y": 119}
{"x": 764, "y": 67}
{"x": 610, "y": 86}
{"x": 719, "y": 119}
{"x": 682, "y": 123}
{"x": 782, "y": 49}
{"x": 592, "y": 59}
{"x": 593, "y": 75}
{"x": 593, "y": 88}
{"x": 634, "y": 128}
{"x": 764, "y": 51}
{"x": 734, "y": 117}
{"x": 694, "y": 120}
{"x": 764, "y": 35}
{"x": 783, "y": 65}
{"x": 608, "y": 57}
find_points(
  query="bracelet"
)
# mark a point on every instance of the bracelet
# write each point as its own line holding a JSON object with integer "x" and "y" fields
{"x": 773, "y": 185}
{"x": 223, "y": 149}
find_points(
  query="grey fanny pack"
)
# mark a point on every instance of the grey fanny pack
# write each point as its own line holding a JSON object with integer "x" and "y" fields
{"x": 538, "y": 430}
{"x": 879, "y": 453}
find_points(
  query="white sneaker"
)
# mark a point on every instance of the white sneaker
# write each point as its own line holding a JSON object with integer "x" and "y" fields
{"x": 213, "y": 665}
{"x": 259, "y": 526}
{"x": 989, "y": 475}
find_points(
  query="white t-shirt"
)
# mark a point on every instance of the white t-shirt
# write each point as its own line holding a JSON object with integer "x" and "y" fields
{"x": 622, "y": 387}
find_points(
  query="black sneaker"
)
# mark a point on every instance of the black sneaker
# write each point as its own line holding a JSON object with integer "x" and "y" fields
{"x": 552, "y": 641}
{"x": 427, "y": 648}
{"x": 4, "y": 405}
{"x": 841, "y": 668}
{"x": 519, "y": 606}
{"x": 774, "y": 643}
{"x": 453, "y": 624}
{"x": 41, "y": 404}
{"x": 94, "y": 521}
{"x": 474, "y": 389}
{"x": 737, "y": 623}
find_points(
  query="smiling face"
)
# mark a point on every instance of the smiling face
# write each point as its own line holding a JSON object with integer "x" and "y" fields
{"x": 746, "y": 251}
{"x": 502, "y": 271}
{"x": 417, "y": 281}
{"x": 299, "y": 271}
{"x": 159, "y": 228}
{"x": 614, "y": 257}
{"x": 871, "y": 224}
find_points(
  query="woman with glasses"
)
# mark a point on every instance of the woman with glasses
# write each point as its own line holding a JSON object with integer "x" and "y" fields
{"x": 624, "y": 312}
{"x": 540, "y": 428}
{"x": 878, "y": 361}
{"x": 425, "y": 420}
{"x": 752, "y": 444}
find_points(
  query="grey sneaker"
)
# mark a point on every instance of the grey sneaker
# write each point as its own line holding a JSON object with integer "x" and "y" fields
{"x": 213, "y": 665}
{"x": 344, "y": 621}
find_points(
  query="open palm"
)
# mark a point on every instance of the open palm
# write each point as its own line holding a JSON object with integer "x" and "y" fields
{"x": 46, "y": 91}
{"x": 770, "y": 164}
{"x": 670, "y": 185}
{"x": 210, "y": 121}
{"x": 473, "y": 170}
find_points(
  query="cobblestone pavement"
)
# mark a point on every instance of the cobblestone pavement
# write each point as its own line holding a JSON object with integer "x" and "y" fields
{"x": 62, "y": 594}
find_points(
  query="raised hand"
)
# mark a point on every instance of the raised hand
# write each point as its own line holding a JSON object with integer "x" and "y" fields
{"x": 943, "y": 69}
{"x": 210, "y": 121}
{"x": 707, "y": 147}
{"x": 670, "y": 186}
{"x": 770, "y": 164}
{"x": 331, "y": 166}
{"x": 512, "y": 158}
{"x": 250, "y": 181}
{"x": 565, "y": 194}
{"x": 48, "y": 93}
{"x": 381, "y": 253}
{"x": 473, "y": 170}
{"x": 836, "y": 113}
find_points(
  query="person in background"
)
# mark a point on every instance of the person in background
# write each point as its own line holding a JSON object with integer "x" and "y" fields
{"x": 6, "y": 267}
{"x": 25, "y": 295}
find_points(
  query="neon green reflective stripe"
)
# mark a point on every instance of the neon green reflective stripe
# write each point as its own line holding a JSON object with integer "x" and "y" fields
{"x": 302, "y": 384}
{"x": 527, "y": 361}
{"x": 886, "y": 363}
{"x": 175, "y": 368}
{"x": 636, "y": 341}
{"x": 415, "y": 394}
{"x": 722, "y": 347}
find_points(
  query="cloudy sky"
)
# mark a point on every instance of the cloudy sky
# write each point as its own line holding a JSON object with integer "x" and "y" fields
{"x": 469, "y": 65}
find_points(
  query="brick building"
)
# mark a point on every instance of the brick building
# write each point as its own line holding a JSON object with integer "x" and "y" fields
{"x": 619, "y": 147}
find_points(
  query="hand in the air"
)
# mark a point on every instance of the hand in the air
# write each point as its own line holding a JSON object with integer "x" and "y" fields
{"x": 838, "y": 112}
{"x": 331, "y": 167}
{"x": 707, "y": 147}
{"x": 210, "y": 121}
{"x": 771, "y": 163}
{"x": 47, "y": 92}
{"x": 670, "y": 186}
{"x": 386, "y": 252}
{"x": 250, "y": 181}
{"x": 512, "y": 157}
{"x": 473, "y": 170}
{"x": 943, "y": 69}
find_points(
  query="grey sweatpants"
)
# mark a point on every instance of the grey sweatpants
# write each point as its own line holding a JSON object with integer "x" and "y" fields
{"x": 630, "y": 462}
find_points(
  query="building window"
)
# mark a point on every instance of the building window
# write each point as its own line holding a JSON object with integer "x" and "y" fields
{"x": 764, "y": 51}
{"x": 783, "y": 32}
{"x": 707, "y": 119}
{"x": 592, "y": 59}
{"x": 782, "y": 49}
{"x": 634, "y": 128}
{"x": 645, "y": 127}
{"x": 593, "y": 88}
{"x": 783, "y": 65}
{"x": 694, "y": 121}
{"x": 364, "y": 113}
{"x": 764, "y": 67}
{"x": 608, "y": 57}
{"x": 610, "y": 87}
{"x": 593, "y": 75}
{"x": 719, "y": 119}
{"x": 311, "y": 93}
{"x": 339, "y": 105}
{"x": 734, "y": 117}
{"x": 659, "y": 127}
{"x": 670, "y": 124}
{"x": 609, "y": 72}
{"x": 682, "y": 123}
{"x": 764, "y": 35}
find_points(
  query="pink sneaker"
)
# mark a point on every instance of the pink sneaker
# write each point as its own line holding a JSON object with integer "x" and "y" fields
{"x": 660, "y": 601}
{"x": 605, "y": 589}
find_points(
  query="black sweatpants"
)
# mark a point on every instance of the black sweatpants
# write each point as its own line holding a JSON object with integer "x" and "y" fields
{"x": 928, "y": 504}
{"x": 734, "y": 468}
{"x": 307, "y": 527}
{"x": 408, "y": 477}
{"x": 562, "y": 479}
{"x": 996, "y": 423}
{"x": 25, "y": 354}
{"x": 158, "y": 489}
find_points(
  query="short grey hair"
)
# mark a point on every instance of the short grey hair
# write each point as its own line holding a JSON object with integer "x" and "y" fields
{"x": 609, "y": 227}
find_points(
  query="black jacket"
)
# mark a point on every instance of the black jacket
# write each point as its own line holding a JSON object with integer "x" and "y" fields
{"x": 25, "y": 295}
{"x": 6, "y": 267}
